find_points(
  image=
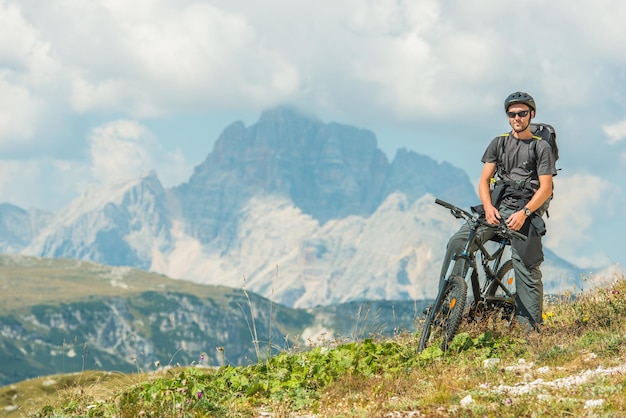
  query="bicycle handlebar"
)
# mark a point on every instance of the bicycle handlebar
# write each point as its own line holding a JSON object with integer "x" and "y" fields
{"x": 461, "y": 213}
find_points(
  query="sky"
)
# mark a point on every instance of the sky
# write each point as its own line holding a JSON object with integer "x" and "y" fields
{"x": 94, "y": 91}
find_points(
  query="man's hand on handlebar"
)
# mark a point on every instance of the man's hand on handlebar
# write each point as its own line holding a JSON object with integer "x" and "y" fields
{"x": 516, "y": 220}
{"x": 492, "y": 215}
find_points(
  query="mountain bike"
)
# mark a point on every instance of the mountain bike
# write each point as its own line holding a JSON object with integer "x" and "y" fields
{"x": 493, "y": 286}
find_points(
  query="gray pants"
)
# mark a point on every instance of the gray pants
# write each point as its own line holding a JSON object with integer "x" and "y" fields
{"x": 528, "y": 284}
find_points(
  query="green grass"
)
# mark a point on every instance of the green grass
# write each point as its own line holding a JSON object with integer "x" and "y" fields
{"x": 561, "y": 372}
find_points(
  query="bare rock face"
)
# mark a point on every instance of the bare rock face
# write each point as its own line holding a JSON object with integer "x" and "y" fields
{"x": 19, "y": 226}
{"x": 122, "y": 224}
{"x": 329, "y": 171}
{"x": 416, "y": 175}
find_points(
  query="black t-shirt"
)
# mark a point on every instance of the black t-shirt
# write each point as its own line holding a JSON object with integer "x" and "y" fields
{"x": 517, "y": 160}
{"x": 518, "y": 164}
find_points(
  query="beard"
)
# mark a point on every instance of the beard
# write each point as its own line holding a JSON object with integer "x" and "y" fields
{"x": 521, "y": 127}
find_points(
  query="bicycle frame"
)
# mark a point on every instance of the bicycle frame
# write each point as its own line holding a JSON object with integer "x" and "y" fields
{"x": 491, "y": 271}
{"x": 470, "y": 272}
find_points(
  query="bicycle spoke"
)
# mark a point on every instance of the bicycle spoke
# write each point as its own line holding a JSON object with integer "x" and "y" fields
{"x": 444, "y": 318}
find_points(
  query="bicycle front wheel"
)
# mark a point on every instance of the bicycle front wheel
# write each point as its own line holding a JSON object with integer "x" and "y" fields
{"x": 445, "y": 316}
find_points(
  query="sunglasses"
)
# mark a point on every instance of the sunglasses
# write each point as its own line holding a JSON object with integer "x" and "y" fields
{"x": 521, "y": 114}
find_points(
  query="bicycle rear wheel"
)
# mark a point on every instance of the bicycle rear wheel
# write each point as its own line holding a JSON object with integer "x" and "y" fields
{"x": 445, "y": 316}
{"x": 506, "y": 275}
{"x": 497, "y": 297}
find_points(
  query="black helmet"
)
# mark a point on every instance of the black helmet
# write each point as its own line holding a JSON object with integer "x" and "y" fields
{"x": 520, "y": 97}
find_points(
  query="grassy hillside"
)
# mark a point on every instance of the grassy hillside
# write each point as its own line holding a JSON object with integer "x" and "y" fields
{"x": 69, "y": 316}
{"x": 30, "y": 281}
{"x": 61, "y": 316}
{"x": 575, "y": 367}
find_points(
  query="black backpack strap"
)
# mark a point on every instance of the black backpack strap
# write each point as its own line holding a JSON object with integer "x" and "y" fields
{"x": 500, "y": 161}
{"x": 519, "y": 185}
{"x": 533, "y": 151}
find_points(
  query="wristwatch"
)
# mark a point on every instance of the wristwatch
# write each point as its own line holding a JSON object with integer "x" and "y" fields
{"x": 527, "y": 211}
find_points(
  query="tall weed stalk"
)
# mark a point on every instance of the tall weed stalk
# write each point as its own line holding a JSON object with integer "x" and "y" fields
{"x": 251, "y": 324}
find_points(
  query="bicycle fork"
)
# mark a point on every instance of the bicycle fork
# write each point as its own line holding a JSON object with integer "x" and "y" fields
{"x": 469, "y": 262}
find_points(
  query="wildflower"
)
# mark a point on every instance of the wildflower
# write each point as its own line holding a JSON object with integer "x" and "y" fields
{"x": 199, "y": 395}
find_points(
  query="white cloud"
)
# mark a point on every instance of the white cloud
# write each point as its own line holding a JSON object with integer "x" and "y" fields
{"x": 19, "y": 112}
{"x": 580, "y": 201}
{"x": 22, "y": 51}
{"x": 119, "y": 150}
{"x": 124, "y": 149}
{"x": 154, "y": 58}
{"x": 402, "y": 59}
{"x": 16, "y": 171}
{"x": 25, "y": 66}
{"x": 41, "y": 183}
{"x": 616, "y": 132}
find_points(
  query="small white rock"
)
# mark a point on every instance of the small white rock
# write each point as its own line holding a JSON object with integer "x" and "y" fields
{"x": 490, "y": 362}
{"x": 467, "y": 401}
{"x": 590, "y": 357}
{"x": 593, "y": 403}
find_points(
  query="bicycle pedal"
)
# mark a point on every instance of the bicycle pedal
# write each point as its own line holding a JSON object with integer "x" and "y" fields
{"x": 499, "y": 299}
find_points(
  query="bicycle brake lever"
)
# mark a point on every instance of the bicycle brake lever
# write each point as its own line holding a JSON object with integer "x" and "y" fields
{"x": 456, "y": 213}
{"x": 503, "y": 229}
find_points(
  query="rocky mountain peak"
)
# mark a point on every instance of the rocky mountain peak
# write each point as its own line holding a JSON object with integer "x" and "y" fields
{"x": 118, "y": 224}
{"x": 19, "y": 226}
{"x": 416, "y": 175}
{"x": 328, "y": 170}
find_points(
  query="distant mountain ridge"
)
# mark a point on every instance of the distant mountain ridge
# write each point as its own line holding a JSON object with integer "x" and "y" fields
{"x": 329, "y": 171}
{"x": 120, "y": 224}
{"x": 300, "y": 211}
{"x": 18, "y": 227}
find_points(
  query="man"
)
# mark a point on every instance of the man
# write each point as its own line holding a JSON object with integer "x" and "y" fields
{"x": 518, "y": 198}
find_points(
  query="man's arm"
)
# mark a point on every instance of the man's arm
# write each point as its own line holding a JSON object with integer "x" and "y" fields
{"x": 542, "y": 194}
{"x": 484, "y": 192}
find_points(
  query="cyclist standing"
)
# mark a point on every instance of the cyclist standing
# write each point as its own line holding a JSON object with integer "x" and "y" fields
{"x": 518, "y": 198}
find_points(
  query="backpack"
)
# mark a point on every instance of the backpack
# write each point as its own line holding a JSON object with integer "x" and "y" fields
{"x": 541, "y": 132}
{"x": 547, "y": 133}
